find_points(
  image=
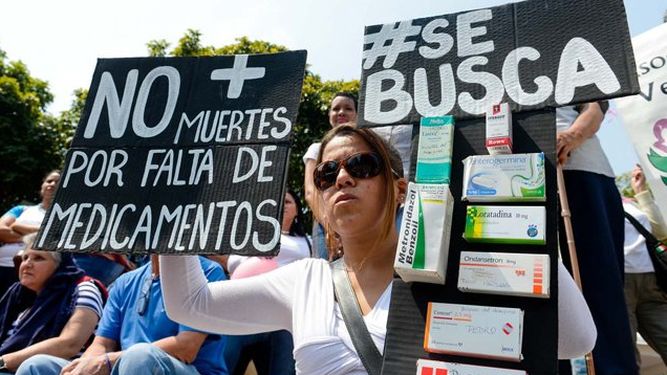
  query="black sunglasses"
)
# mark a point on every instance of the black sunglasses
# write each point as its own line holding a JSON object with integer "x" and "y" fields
{"x": 361, "y": 165}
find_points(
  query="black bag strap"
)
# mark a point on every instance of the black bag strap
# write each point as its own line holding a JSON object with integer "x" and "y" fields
{"x": 650, "y": 238}
{"x": 349, "y": 307}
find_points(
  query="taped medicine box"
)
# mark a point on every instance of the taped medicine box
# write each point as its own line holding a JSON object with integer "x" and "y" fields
{"x": 499, "y": 178}
{"x": 499, "y": 129}
{"x": 423, "y": 242}
{"x": 505, "y": 224}
{"x": 430, "y": 367}
{"x": 434, "y": 152}
{"x": 474, "y": 331}
{"x": 504, "y": 273}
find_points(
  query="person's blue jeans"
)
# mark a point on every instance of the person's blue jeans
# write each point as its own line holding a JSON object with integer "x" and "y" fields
{"x": 149, "y": 359}
{"x": 42, "y": 364}
{"x": 138, "y": 359}
{"x": 101, "y": 268}
{"x": 271, "y": 352}
{"x": 319, "y": 241}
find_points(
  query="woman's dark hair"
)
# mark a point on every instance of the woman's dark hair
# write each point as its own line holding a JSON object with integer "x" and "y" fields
{"x": 344, "y": 94}
{"x": 50, "y": 173}
{"x": 297, "y": 228}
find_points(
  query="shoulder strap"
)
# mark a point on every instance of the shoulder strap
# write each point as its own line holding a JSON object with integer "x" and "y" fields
{"x": 650, "y": 238}
{"x": 349, "y": 306}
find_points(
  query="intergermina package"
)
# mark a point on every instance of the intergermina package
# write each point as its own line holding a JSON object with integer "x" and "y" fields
{"x": 498, "y": 178}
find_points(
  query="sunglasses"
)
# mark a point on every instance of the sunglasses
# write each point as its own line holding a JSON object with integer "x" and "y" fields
{"x": 361, "y": 165}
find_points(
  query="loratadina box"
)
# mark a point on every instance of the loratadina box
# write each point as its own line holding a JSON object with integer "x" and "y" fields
{"x": 475, "y": 331}
{"x": 505, "y": 224}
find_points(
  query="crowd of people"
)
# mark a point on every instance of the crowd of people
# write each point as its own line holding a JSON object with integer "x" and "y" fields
{"x": 76, "y": 314}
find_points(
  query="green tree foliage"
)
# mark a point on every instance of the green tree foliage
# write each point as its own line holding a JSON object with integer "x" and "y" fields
{"x": 28, "y": 141}
{"x": 623, "y": 184}
{"x": 312, "y": 121}
{"x": 65, "y": 124}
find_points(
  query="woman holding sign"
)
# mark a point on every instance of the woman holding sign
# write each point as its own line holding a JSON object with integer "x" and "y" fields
{"x": 360, "y": 182}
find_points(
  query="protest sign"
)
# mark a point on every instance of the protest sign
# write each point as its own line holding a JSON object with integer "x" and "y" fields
{"x": 179, "y": 155}
{"x": 531, "y": 54}
{"x": 645, "y": 115}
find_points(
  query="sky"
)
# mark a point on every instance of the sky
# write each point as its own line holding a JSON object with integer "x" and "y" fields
{"x": 60, "y": 41}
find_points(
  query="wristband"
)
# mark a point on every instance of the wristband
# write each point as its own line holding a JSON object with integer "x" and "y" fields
{"x": 106, "y": 357}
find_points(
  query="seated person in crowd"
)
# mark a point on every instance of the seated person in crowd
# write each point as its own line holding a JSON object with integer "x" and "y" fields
{"x": 18, "y": 222}
{"x": 135, "y": 336}
{"x": 53, "y": 309}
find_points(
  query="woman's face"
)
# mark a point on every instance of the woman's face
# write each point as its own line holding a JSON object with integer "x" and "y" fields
{"x": 49, "y": 186}
{"x": 352, "y": 205}
{"x": 342, "y": 111}
{"x": 289, "y": 212}
{"x": 36, "y": 269}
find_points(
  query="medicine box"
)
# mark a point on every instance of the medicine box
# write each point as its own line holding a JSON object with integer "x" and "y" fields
{"x": 430, "y": 367}
{"x": 505, "y": 224}
{"x": 499, "y": 129}
{"x": 475, "y": 331}
{"x": 504, "y": 273}
{"x": 434, "y": 152}
{"x": 423, "y": 242}
{"x": 497, "y": 178}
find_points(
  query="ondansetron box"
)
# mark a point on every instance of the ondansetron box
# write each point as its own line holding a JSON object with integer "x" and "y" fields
{"x": 475, "y": 331}
{"x": 504, "y": 273}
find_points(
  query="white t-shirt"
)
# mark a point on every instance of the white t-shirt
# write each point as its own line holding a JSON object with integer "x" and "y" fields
{"x": 399, "y": 136}
{"x": 589, "y": 156}
{"x": 312, "y": 152}
{"x": 648, "y": 214}
{"x": 299, "y": 297}
{"x": 32, "y": 215}
{"x": 637, "y": 259}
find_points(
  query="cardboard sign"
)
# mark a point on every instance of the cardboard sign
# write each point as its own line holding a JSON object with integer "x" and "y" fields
{"x": 644, "y": 115}
{"x": 179, "y": 155}
{"x": 531, "y": 54}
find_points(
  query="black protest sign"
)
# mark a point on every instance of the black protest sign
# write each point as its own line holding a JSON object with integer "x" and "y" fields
{"x": 532, "y": 54}
{"x": 179, "y": 155}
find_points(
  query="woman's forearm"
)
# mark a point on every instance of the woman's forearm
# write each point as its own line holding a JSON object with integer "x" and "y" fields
{"x": 24, "y": 229}
{"x": 227, "y": 307}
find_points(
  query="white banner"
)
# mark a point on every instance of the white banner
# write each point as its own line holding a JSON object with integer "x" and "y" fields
{"x": 645, "y": 114}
